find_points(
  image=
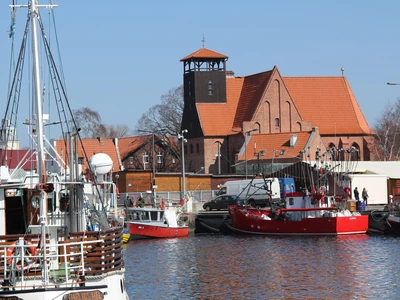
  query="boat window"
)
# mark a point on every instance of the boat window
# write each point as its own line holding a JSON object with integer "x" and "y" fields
{"x": 144, "y": 216}
{"x": 291, "y": 201}
{"x": 154, "y": 216}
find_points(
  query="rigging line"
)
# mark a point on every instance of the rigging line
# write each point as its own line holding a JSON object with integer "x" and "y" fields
{"x": 12, "y": 106}
{"x": 58, "y": 48}
{"x": 68, "y": 108}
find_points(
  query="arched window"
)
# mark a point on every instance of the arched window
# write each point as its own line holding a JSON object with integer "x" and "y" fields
{"x": 191, "y": 148}
{"x": 277, "y": 122}
{"x": 210, "y": 88}
{"x": 197, "y": 148}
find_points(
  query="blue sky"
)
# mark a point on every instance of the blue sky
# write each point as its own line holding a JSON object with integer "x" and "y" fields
{"x": 120, "y": 56}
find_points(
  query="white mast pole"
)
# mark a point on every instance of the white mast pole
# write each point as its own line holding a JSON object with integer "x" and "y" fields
{"x": 37, "y": 92}
{"x": 38, "y": 116}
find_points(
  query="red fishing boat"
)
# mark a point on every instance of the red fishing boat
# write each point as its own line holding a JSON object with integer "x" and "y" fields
{"x": 298, "y": 215}
{"x": 151, "y": 222}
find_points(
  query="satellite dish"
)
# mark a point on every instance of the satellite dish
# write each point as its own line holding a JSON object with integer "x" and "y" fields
{"x": 35, "y": 202}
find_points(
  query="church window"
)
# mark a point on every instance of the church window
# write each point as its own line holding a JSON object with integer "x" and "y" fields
{"x": 210, "y": 88}
{"x": 276, "y": 121}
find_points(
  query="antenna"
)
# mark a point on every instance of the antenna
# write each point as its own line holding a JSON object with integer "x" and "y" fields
{"x": 342, "y": 69}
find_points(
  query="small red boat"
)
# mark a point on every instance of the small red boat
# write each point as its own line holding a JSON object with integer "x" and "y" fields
{"x": 154, "y": 223}
{"x": 305, "y": 219}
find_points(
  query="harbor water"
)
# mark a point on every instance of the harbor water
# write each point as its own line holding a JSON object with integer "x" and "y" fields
{"x": 257, "y": 267}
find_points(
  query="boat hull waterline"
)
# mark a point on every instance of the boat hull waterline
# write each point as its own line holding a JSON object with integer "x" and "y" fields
{"x": 251, "y": 221}
{"x": 142, "y": 231}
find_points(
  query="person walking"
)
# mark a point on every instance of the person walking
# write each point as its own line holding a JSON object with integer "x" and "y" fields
{"x": 356, "y": 194}
{"x": 364, "y": 195}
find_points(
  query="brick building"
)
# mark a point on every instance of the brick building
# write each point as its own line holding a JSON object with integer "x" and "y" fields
{"x": 266, "y": 119}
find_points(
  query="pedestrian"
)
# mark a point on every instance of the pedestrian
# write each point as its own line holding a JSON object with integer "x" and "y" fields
{"x": 356, "y": 194}
{"x": 364, "y": 195}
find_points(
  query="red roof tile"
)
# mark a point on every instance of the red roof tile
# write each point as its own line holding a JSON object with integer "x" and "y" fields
{"x": 329, "y": 103}
{"x": 252, "y": 91}
{"x": 92, "y": 147}
{"x": 217, "y": 118}
{"x": 278, "y": 142}
{"x": 204, "y": 53}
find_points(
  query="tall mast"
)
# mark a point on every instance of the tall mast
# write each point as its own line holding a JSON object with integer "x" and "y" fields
{"x": 38, "y": 103}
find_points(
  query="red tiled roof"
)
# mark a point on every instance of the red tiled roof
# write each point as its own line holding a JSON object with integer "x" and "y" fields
{"x": 131, "y": 144}
{"x": 329, "y": 103}
{"x": 217, "y": 118}
{"x": 252, "y": 91}
{"x": 204, "y": 53}
{"x": 278, "y": 142}
{"x": 92, "y": 147}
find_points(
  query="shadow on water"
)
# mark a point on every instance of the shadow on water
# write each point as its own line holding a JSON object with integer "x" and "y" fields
{"x": 254, "y": 267}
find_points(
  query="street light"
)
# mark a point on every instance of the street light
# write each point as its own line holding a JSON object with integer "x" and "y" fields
{"x": 246, "y": 134}
{"x": 183, "y": 140}
{"x": 261, "y": 153}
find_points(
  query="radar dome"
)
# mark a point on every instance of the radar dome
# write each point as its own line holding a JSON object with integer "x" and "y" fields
{"x": 100, "y": 163}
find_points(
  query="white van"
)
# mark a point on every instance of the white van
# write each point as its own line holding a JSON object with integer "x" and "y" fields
{"x": 257, "y": 192}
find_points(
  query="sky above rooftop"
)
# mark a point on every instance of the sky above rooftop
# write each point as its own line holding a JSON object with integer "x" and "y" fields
{"x": 119, "y": 57}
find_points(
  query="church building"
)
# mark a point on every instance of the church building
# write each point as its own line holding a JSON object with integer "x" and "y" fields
{"x": 247, "y": 124}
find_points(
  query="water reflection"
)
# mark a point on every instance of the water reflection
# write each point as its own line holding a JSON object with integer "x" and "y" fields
{"x": 248, "y": 267}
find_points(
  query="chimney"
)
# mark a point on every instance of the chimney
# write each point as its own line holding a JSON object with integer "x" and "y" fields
{"x": 100, "y": 139}
{"x": 230, "y": 74}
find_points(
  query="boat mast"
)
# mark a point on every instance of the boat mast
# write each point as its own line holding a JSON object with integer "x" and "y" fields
{"x": 37, "y": 93}
{"x": 37, "y": 116}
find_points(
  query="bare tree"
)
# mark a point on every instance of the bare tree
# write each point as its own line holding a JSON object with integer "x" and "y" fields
{"x": 387, "y": 130}
{"x": 89, "y": 121}
{"x": 165, "y": 118}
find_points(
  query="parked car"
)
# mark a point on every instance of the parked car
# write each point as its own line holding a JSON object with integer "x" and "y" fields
{"x": 222, "y": 202}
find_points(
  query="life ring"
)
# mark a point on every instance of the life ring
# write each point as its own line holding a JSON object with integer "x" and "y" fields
{"x": 162, "y": 204}
{"x": 31, "y": 250}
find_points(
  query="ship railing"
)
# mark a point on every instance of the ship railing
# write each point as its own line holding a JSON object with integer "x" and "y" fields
{"x": 82, "y": 254}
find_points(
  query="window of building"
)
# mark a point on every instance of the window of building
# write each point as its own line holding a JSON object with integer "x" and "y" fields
{"x": 185, "y": 149}
{"x": 190, "y": 88}
{"x": 173, "y": 160}
{"x": 210, "y": 88}
{"x": 276, "y": 121}
{"x": 197, "y": 148}
{"x": 159, "y": 157}
{"x": 145, "y": 157}
{"x": 191, "y": 148}
{"x": 131, "y": 159}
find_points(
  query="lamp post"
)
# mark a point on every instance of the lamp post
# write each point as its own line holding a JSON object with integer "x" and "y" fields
{"x": 246, "y": 134}
{"x": 261, "y": 153}
{"x": 183, "y": 140}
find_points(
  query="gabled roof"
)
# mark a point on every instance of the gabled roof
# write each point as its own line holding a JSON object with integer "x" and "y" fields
{"x": 252, "y": 91}
{"x": 277, "y": 142}
{"x": 329, "y": 103}
{"x": 217, "y": 118}
{"x": 204, "y": 53}
{"x": 131, "y": 144}
{"x": 92, "y": 147}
